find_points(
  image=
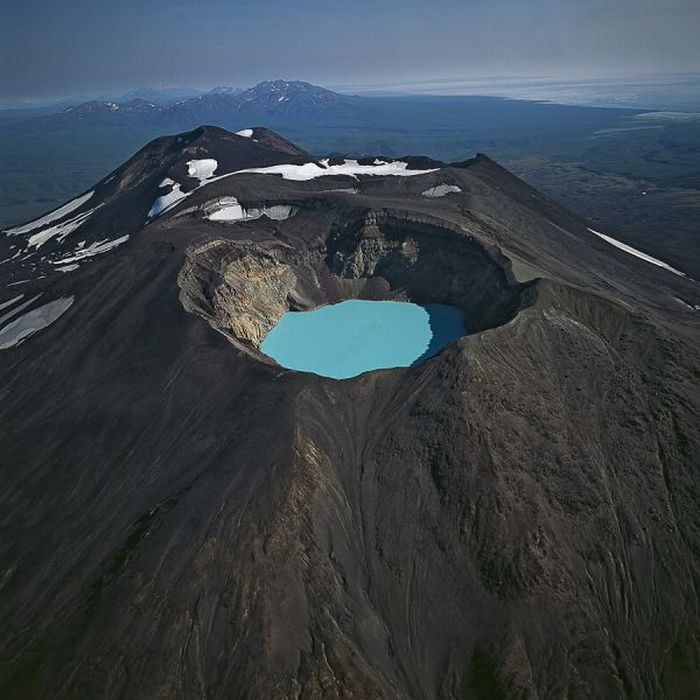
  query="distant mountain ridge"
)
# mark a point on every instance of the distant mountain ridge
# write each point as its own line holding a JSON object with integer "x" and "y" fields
{"x": 277, "y": 92}
{"x": 161, "y": 96}
{"x": 268, "y": 98}
{"x": 135, "y": 105}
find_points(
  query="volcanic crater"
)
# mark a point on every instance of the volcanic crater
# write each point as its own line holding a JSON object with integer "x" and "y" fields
{"x": 243, "y": 287}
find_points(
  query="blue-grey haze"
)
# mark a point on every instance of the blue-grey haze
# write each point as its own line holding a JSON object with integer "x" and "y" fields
{"x": 54, "y": 48}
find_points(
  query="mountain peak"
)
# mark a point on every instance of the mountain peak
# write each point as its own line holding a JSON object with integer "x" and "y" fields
{"x": 284, "y": 93}
{"x": 92, "y": 107}
{"x": 226, "y": 90}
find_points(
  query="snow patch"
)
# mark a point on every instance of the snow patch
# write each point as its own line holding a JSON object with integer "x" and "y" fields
{"x": 229, "y": 209}
{"x": 93, "y": 249}
{"x": 68, "y": 268}
{"x": 692, "y": 307}
{"x": 637, "y": 253}
{"x": 26, "y": 325}
{"x": 306, "y": 171}
{"x": 12, "y": 257}
{"x": 60, "y": 231}
{"x": 9, "y": 302}
{"x": 202, "y": 169}
{"x": 245, "y": 133}
{"x": 51, "y": 216}
{"x": 15, "y": 311}
{"x": 167, "y": 201}
{"x": 348, "y": 168}
{"x": 441, "y": 191}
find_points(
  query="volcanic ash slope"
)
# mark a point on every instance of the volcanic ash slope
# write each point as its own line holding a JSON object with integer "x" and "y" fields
{"x": 181, "y": 517}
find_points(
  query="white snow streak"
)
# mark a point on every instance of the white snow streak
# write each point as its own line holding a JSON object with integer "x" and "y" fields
{"x": 441, "y": 191}
{"x": 12, "y": 257}
{"x": 60, "y": 231}
{"x": 37, "y": 319}
{"x": 9, "y": 302}
{"x": 93, "y": 249}
{"x": 15, "y": 311}
{"x": 637, "y": 253}
{"x": 51, "y": 216}
{"x": 349, "y": 168}
{"x": 245, "y": 133}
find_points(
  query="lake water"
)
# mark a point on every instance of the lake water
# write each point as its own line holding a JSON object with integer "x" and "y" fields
{"x": 355, "y": 336}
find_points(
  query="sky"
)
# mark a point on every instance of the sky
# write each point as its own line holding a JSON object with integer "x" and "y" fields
{"x": 62, "y": 48}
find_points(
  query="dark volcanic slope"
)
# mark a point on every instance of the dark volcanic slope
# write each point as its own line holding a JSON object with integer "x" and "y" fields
{"x": 182, "y": 518}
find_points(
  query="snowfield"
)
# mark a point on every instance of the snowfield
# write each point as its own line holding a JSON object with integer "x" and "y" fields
{"x": 166, "y": 201}
{"x": 441, "y": 191}
{"x": 51, "y": 216}
{"x": 60, "y": 231}
{"x": 637, "y": 253}
{"x": 35, "y": 320}
{"x": 90, "y": 251}
{"x": 9, "y": 302}
{"x": 349, "y": 168}
{"x": 202, "y": 169}
{"x": 13, "y": 312}
{"x": 245, "y": 133}
{"x": 229, "y": 209}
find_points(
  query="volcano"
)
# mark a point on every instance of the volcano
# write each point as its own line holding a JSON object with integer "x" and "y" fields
{"x": 181, "y": 517}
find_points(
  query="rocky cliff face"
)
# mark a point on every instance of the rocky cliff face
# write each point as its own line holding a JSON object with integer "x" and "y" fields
{"x": 515, "y": 517}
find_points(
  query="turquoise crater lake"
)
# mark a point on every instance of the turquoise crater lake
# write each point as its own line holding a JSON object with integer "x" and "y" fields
{"x": 346, "y": 339}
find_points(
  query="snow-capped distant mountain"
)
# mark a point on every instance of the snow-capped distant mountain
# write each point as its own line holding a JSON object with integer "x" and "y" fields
{"x": 282, "y": 93}
{"x": 210, "y": 108}
{"x": 224, "y": 105}
{"x": 227, "y": 90}
{"x": 269, "y": 100}
{"x": 101, "y": 107}
{"x": 93, "y": 107}
{"x": 161, "y": 96}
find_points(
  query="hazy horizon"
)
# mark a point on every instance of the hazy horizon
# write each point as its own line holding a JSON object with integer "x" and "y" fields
{"x": 667, "y": 92}
{"x": 104, "y": 47}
